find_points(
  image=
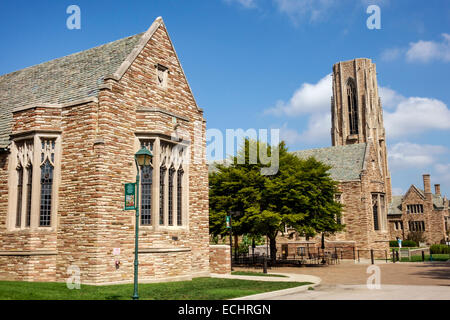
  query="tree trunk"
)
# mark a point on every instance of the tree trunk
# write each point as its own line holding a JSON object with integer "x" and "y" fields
{"x": 273, "y": 248}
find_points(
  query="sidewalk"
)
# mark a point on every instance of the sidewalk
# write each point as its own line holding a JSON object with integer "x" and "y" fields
{"x": 289, "y": 277}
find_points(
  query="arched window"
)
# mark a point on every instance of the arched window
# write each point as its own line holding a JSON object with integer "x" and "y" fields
{"x": 162, "y": 178}
{"x": 46, "y": 194}
{"x": 29, "y": 193}
{"x": 352, "y": 102}
{"x": 376, "y": 224}
{"x": 171, "y": 177}
{"x": 146, "y": 195}
{"x": 180, "y": 197}
{"x": 19, "y": 196}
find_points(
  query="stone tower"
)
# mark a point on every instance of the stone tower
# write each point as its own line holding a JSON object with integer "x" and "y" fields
{"x": 357, "y": 114}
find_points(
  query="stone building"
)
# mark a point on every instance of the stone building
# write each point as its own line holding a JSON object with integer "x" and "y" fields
{"x": 420, "y": 211}
{"x": 358, "y": 158}
{"x": 69, "y": 129}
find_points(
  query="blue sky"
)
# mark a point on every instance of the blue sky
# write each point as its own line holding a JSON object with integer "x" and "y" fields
{"x": 243, "y": 58}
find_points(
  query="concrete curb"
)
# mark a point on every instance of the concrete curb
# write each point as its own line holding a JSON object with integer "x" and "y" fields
{"x": 268, "y": 295}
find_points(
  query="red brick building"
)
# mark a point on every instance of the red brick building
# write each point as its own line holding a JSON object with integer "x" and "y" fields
{"x": 69, "y": 129}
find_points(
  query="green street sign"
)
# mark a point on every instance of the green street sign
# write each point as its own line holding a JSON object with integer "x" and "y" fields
{"x": 228, "y": 222}
{"x": 130, "y": 196}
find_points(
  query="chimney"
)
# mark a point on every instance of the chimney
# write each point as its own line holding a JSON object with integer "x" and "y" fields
{"x": 437, "y": 189}
{"x": 426, "y": 183}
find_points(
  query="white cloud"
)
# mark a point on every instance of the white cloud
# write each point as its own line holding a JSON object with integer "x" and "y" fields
{"x": 444, "y": 174}
{"x": 389, "y": 97}
{"x": 391, "y": 54}
{"x": 425, "y": 51}
{"x": 404, "y": 155}
{"x": 416, "y": 115}
{"x": 301, "y": 10}
{"x": 309, "y": 98}
{"x": 245, "y": 3}
{"x": 421, "y": 51}
{"x": 317, "y": 131}
{"x": 397, "y": 191}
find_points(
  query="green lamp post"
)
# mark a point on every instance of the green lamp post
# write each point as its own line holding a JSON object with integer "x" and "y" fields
{"x": 142, "y": 158}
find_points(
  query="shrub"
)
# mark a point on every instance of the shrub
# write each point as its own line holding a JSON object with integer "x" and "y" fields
{"x": 409, "y": 243}
{"x": 439, "y": 249}
{"x": 416, "y": 236}
{"x": 393, "y": 244}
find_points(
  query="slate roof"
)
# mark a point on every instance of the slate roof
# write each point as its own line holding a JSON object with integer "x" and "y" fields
{"x": 395, "y": 207}
{"x": 346, "y": 162}
{"x": 61, "y": 80}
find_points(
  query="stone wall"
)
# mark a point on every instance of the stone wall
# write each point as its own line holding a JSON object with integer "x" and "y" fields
{"x": 98, "y": 143}
{"x": 219, "y": 259}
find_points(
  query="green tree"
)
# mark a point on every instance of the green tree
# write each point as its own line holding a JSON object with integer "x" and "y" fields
{"x": 299, "y": 195}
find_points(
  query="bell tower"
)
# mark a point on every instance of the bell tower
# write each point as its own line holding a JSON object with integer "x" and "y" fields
{"x": 356, "y": 111}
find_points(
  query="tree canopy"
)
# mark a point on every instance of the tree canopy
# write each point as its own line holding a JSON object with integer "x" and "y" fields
{"x": 300, "y": 195}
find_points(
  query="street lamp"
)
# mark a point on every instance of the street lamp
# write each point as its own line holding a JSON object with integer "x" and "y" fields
{"x": 142, "y": 158}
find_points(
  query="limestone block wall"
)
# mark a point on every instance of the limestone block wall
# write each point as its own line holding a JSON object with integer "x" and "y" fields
{"x": 219, "y": 259}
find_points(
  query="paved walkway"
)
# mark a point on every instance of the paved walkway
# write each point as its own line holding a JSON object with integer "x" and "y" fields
{"x": 349, "y": 273}
{"x": 347, "y": 281}
{"x": 358, "y": 292}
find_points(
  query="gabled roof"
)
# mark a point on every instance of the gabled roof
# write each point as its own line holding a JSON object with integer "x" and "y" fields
{"x": 395, "y": 207}
{"x": 68, "y": 79}
{"x": 347, "y": 162}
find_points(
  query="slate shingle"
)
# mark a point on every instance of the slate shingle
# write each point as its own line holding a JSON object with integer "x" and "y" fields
{"x": 61, "y": 80}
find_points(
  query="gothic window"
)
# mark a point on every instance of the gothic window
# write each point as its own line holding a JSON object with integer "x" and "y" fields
{"x": 376, "y": 224}
{"x": 46, "y": 194}
{"x": 179, "y": 197}
{"x": 19, "y": 197}
{"x": 162, "y": 178}
{"x": 171, "y": 177}
{"x": 146, "y": 195}
{"x": 47, "y": 170}
{"x": 29, "y": 161}
{"x": 352, "y": 102}
{"x": 338, "y": 199}
{"x": 29, "y": 193}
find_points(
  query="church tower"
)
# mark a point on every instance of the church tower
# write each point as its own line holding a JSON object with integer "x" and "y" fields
{"x": 356, "y": 111}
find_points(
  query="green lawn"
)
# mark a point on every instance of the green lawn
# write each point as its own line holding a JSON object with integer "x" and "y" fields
{"x": 197, "y": 289}
{"x": 436, "y": 257}
{"x": 259, "y": 274}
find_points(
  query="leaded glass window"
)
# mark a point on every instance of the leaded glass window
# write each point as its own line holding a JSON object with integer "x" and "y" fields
{"x": 146, "y": 195}
{"x": 19, "y": 197}
{"x": 46, "y": 194}
{"x": 162, "y": 177}
{"x": 180, "y": 197}
{"x": 171, "y": 177}
{"x": 29, "y": 193}
{"x": 376, "y": 224}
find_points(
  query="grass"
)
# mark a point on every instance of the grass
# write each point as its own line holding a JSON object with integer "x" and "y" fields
{"x": 197, "y": 289}
{"x": 259, "y": 274}
{"x": 436, "y": 257}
